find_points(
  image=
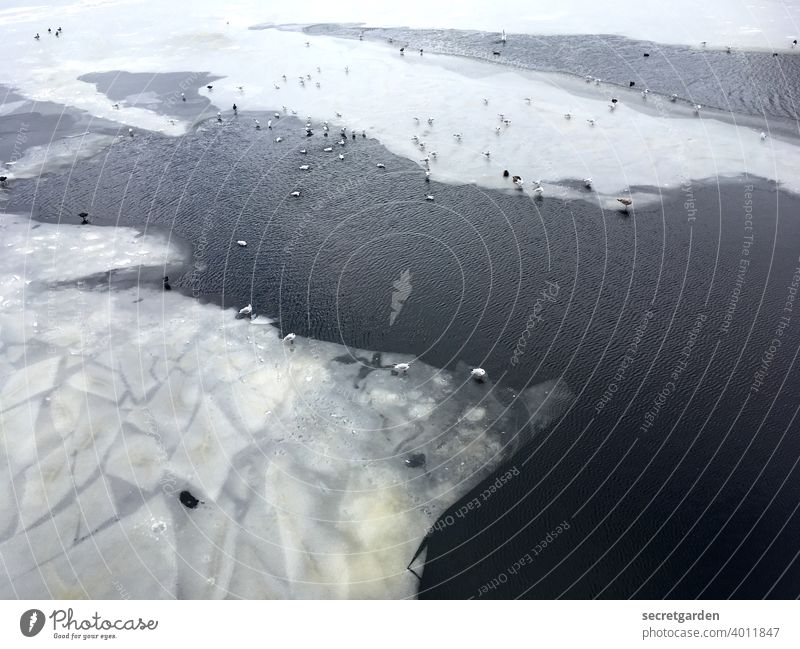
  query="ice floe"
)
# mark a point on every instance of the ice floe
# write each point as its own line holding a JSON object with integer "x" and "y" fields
{"x": 126, "y": 395}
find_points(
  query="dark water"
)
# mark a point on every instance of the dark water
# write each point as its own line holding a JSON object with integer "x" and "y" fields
{"x": 692, "y": 494}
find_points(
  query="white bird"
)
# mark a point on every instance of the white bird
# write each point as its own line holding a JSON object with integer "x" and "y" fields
{"x": 269, "y": 123}
{"x": 277, "y": 87}
{"x": 303, "y": 167}
{"x": 538, "y": 192}
{"x": 242, "y": 243}
{"x": 497, "y": 130}
{"x": 341, "y": 156}
{"x": 401, "y": 368}
{"x": 279, "y": 139}
{"x": 130, "y": 132}
{"x": 591, "y": 122}
{"x": 567, "y": 116}
{"x": 115, "y": 106}
{"x": 295, "y": 194}
{"x": 428, "y": 197}
{"x": 587, "y": 182}
{"x": 328, "y": 149}
{"x": 247, "y": 310}
{"x": 289, "y": 338}
{"x": 673, "y": 97}
{"x": 612, "y": 107}
{"x": 503, "y": 37}
{"x": 527, "y": 100}
{"x": 487, "y": 154}
{"x": 763, "y": 136}
{"x": 303, "y": 151}
{"x": 479, "y": 374}
{"x": 697, "y": 108}
{"x": 240, "y": 88}
{"x": 485, "y": 101}
{"x": 645, "y": 92}
{"x": 341, "y": 142}
{"x": 258, "y": 124}
{"x": 457, "y": 136}
{"x": 427, "y": 176}
{"x": 380, "y": 165}
{"x": 338, "y": 114}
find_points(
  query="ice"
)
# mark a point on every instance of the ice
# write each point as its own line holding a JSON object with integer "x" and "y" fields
{"x": 643, "y": 142}
{"x": 125, "y": 397}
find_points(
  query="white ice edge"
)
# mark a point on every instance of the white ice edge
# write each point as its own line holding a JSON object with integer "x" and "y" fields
{"x": 768, "y": 24}
{"x": 112, "y": 401}
{"x": 646, "y": 142}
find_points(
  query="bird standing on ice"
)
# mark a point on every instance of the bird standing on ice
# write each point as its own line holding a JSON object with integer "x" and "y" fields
{"x": 241, "y": 243}
{"x": 400, "y": 368}
{"x": 295, "y": 194}
{"x": 478, "y": 374}
{"x": 246, "y": 311}
{"x": 289, "y": 338}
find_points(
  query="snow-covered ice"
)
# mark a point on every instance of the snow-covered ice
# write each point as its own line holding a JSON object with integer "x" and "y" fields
{"x": 648, "y": 142}
{"x": 123, "y": 396}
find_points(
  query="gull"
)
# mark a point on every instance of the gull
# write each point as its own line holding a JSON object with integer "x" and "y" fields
{"x": 587, "y": 182}
{"x": 427, "y": 176}
{"x": 527, "y": 100}
{"x": 433, "y": 154}
{"x": 303, "y": 151}
{"x": 518, "y": 181}
{"x": 428, "y": 197}
{"x": 338, "y": 114}
{"x": 597, "y": 81}
{"x": 219, "y": 116}
{"x": 645, "y": 92}
{"x": 183, "y": 97}
{"x": 380, "y": 165}
{"x": 240, "y": 88}
{"x": 278, "y": 139}
{"x": 115, "y": 106}
{"x": 277, "y": 87}
{"x": 318, "y": 84}
{"x": 283, "y": 76}
{"x": 497, "y": 130}
{"x": 269, "y": 123}
{"x": 277, "y": 115}
{"x": 485, "y": 101}
{"x": 502, "y": 116}
{"x": 538, "y": 192}
{"x": 341, "y": 156}
{"x": 673, "y": 97}
{"x": 430, "y": 121}
{"x": 341, "y": 142}
{"x": 478, "y": 374}
{"x": 626, "y": 202}
{"x": 612, "y": 107}
{"x": 37, "y": 36}
{"x": 697, "y": 108}
{"x": 304, "y": 167}
{"x": 328, "y": 149}
{"x": 130, "y": 132}
{"x": 242, "y": 243}
{"x": 400, "y": 368}
{"x": 591, "y": 122}
{"x": 289, "y": 338}
{"x": 258, "y": 124}
{"x": 295, "y": 194}
{"x": 763, "y": 136}
{"x": 503, "y": 37}
{"x": 246, "y": 311}
{"x": 84, "y": 216}
{"x": 457, "y": 136}
{"x": 567, "y": 116}
{"x": 487, "y": 154}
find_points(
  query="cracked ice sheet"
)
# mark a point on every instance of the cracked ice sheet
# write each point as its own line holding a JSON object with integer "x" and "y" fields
{"x": 297, "y": 455}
